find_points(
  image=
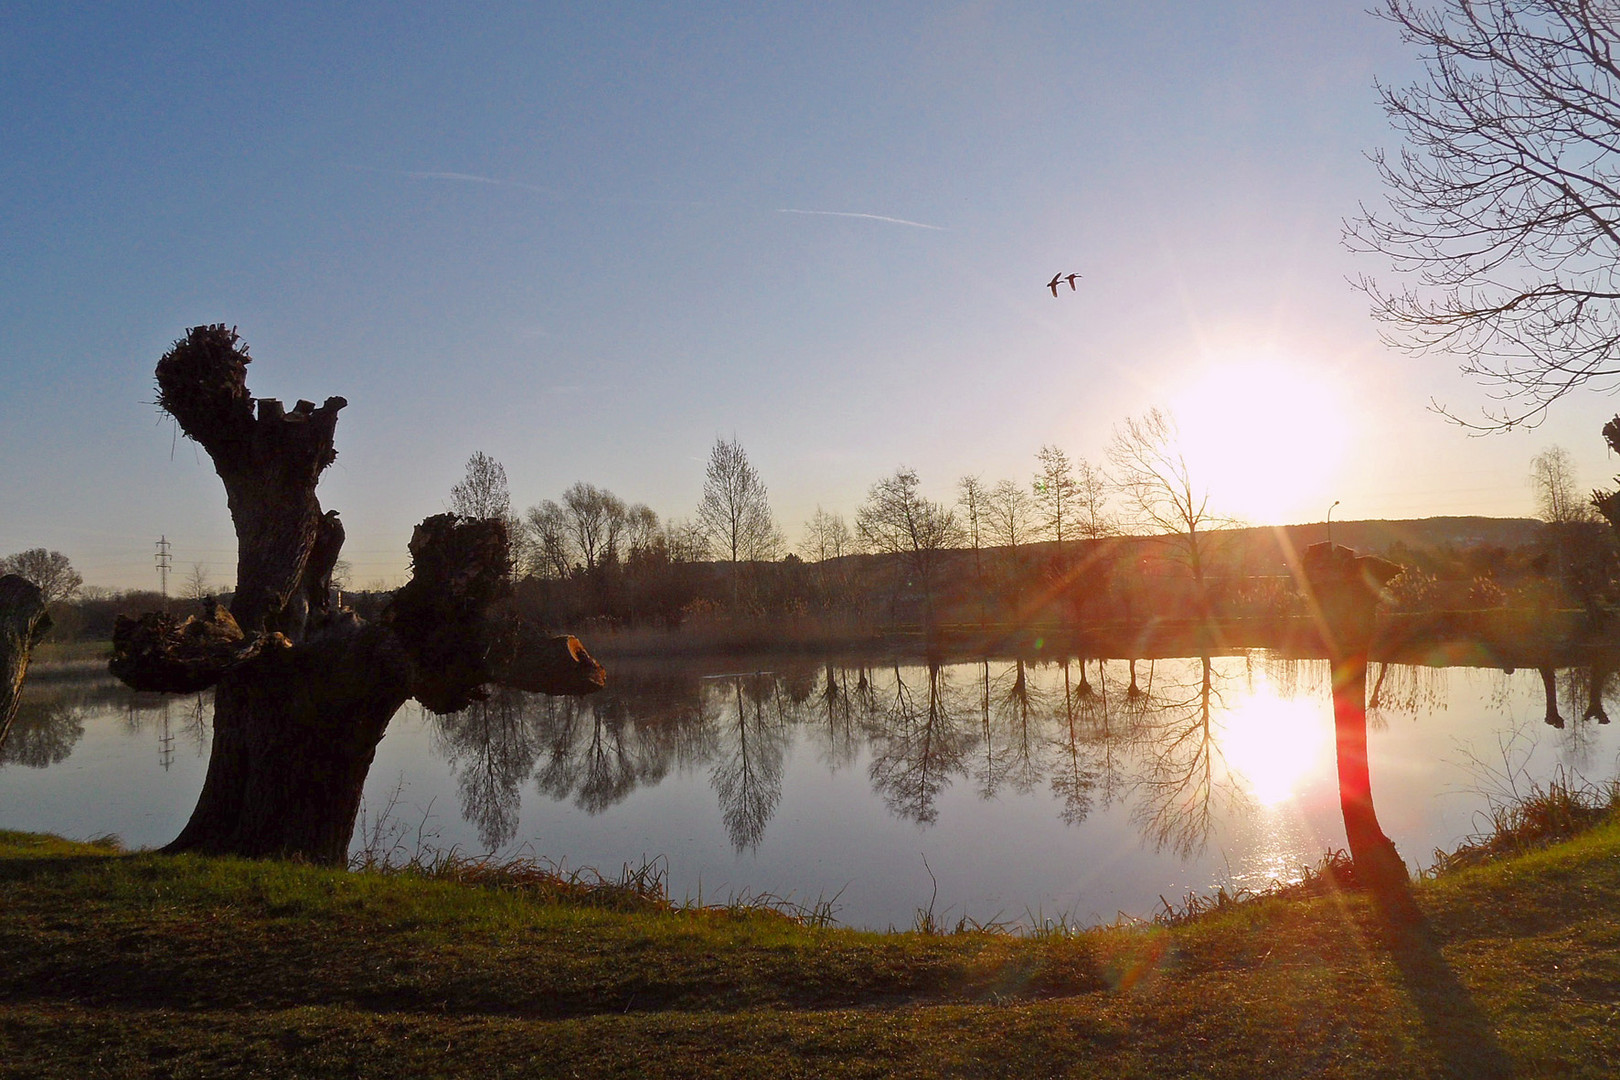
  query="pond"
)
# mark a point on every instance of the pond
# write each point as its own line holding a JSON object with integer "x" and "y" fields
{"x": 992, "y": 790}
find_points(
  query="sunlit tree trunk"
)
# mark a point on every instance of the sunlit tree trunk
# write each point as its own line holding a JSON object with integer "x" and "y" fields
{"x": 22, "y": 623}
{"x": 1343, "y": 592}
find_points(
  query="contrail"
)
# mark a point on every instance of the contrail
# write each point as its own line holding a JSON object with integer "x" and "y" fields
{"x": 868, "y": 217}
{"x": 460, "y": 177}
{"x": 469, "y": 178}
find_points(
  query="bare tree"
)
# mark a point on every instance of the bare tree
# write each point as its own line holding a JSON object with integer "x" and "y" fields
{"x": 640, "y": 529}
{"x": 826, "y": 536}
{"x": 483, "y": 492}
{"x": 685, "y": 542}
{"x": 1055, "y": 494}
{"x": 1504, "y": 204}
{"x": 196, "y": 583}
{"x": 594, "y": 519}
{"x": 49, "y": 571}
{"x": 896, "y": 518}
{"x": 973, "y": 500}
{"x": 735, "y": 513}
{"x": 1552, "y": 478}
{"x": 1009, "y": 514}
{"x": 1092, "y": 518}
{"x": 1158, "y": 487}
{"x": 1581, "y": 547}
{"x": 551, "y": 552}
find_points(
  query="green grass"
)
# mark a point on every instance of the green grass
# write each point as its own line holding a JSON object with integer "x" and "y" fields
{"x": 79, "y": 653}
{"x": 145, "y": 965}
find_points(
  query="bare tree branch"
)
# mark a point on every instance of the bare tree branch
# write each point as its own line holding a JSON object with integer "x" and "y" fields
{"x": 1504, "y": 204}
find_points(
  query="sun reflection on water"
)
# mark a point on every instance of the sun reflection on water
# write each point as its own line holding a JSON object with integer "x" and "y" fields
{"x": 1275, "y": 744}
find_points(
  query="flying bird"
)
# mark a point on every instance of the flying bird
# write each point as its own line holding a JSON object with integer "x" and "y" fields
{"x": 1060, "y": 277}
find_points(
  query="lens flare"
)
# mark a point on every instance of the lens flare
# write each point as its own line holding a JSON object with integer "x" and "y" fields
{"x": 1265, "y": 436}
{"x": 1274, "y": 744}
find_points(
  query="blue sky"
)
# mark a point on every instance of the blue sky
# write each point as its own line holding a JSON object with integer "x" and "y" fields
{"x": 588, "y": 240}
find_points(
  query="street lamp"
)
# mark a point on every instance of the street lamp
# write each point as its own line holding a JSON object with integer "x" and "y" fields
{"x": 1330, "y": 521}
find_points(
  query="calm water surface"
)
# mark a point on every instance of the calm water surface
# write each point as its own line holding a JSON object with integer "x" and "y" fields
{"x": 1018, "y": 791}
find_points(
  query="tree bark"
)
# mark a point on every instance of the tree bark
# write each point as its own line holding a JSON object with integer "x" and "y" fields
{"x": 1342, "y": 591}
{"x": 303, "y": 693}
{"x": 22, "y": 623}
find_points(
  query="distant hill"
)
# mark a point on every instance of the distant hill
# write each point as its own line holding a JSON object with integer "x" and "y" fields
{"x": 1436, "y": 532}
{"x": 1263, "y": 549}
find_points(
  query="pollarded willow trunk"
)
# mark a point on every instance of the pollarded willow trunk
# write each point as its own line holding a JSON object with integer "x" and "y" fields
{"x": 1342, "y": 592}
{"x": 303, "y": 693}
{"x": 22, "y": 623}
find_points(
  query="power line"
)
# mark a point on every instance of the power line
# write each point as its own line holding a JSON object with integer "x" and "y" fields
{"x": 164, "y": 563}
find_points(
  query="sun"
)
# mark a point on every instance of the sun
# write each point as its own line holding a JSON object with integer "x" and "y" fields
{"x": 1265, "y": 435}
{"x": 1273, "y": 744}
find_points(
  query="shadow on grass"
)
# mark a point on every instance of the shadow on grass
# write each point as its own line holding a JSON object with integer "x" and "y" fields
{"x": 39, "y": 867}
{"x": 1459, "y": 1032}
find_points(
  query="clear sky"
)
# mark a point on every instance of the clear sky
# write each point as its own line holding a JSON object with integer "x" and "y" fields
{"x": 588, "y": 239}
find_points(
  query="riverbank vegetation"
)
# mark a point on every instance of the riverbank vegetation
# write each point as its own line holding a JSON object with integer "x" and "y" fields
{"x": 659, "y": 599}
{"x": 139, "y": 964}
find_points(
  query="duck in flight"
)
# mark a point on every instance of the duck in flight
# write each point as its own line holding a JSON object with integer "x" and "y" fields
{"x": 1058, "y": 278}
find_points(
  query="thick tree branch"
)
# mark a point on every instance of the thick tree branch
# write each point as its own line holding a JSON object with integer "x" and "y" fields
{"x": 160, "y": 653}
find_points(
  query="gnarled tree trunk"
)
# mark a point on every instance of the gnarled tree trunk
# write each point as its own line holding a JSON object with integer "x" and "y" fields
{"x": 22, "y": 623}
{"x": 303, "y": 693}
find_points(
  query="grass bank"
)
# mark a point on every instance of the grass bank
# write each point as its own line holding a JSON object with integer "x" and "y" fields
{"x": 141, "y": 965}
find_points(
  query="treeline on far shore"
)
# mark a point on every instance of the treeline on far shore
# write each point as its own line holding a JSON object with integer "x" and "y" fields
{"x": 1002, "y": 594}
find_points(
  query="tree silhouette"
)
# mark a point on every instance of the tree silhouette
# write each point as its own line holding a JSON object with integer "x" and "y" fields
{"x": 483, "y": 492}
{"x": 492, "y": 748}
{"x": 1009, "y": 514}
{"x": 304, "y": 692}
{"x": 1055, "y": 494}
{"x": 1159, "y": 490}
{"x": 594, "y": 519}
{"x": 51, "y": 571}
{"x": 1504, "y": 204}
{"x": 1552, "y": 479}
{"x": 551, "y": 552}
{"x": 897, "y": 519}
{"x": 735, "y": 512}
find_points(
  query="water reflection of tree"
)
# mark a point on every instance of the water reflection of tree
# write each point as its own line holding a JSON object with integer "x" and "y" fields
{"x": 1585, "y": 692}
{"x": 833, "y": 721}
{"x": 1403, "y": 690}
{"x": 918, "y": 741}
{"x": 589, "y": 756}
{"x": 1111, "y": 718}
{"x": 44, "y": 732}
{"x": 1089, "y": 736}
{"x": 747, "y": 774}
{"x": 1011, "y": 710}
{"x": 1074, "y": 774}
{"x": 51, "y": 717}
{"x": 492, "y": 747}
{"x": 1184, "y": 782}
